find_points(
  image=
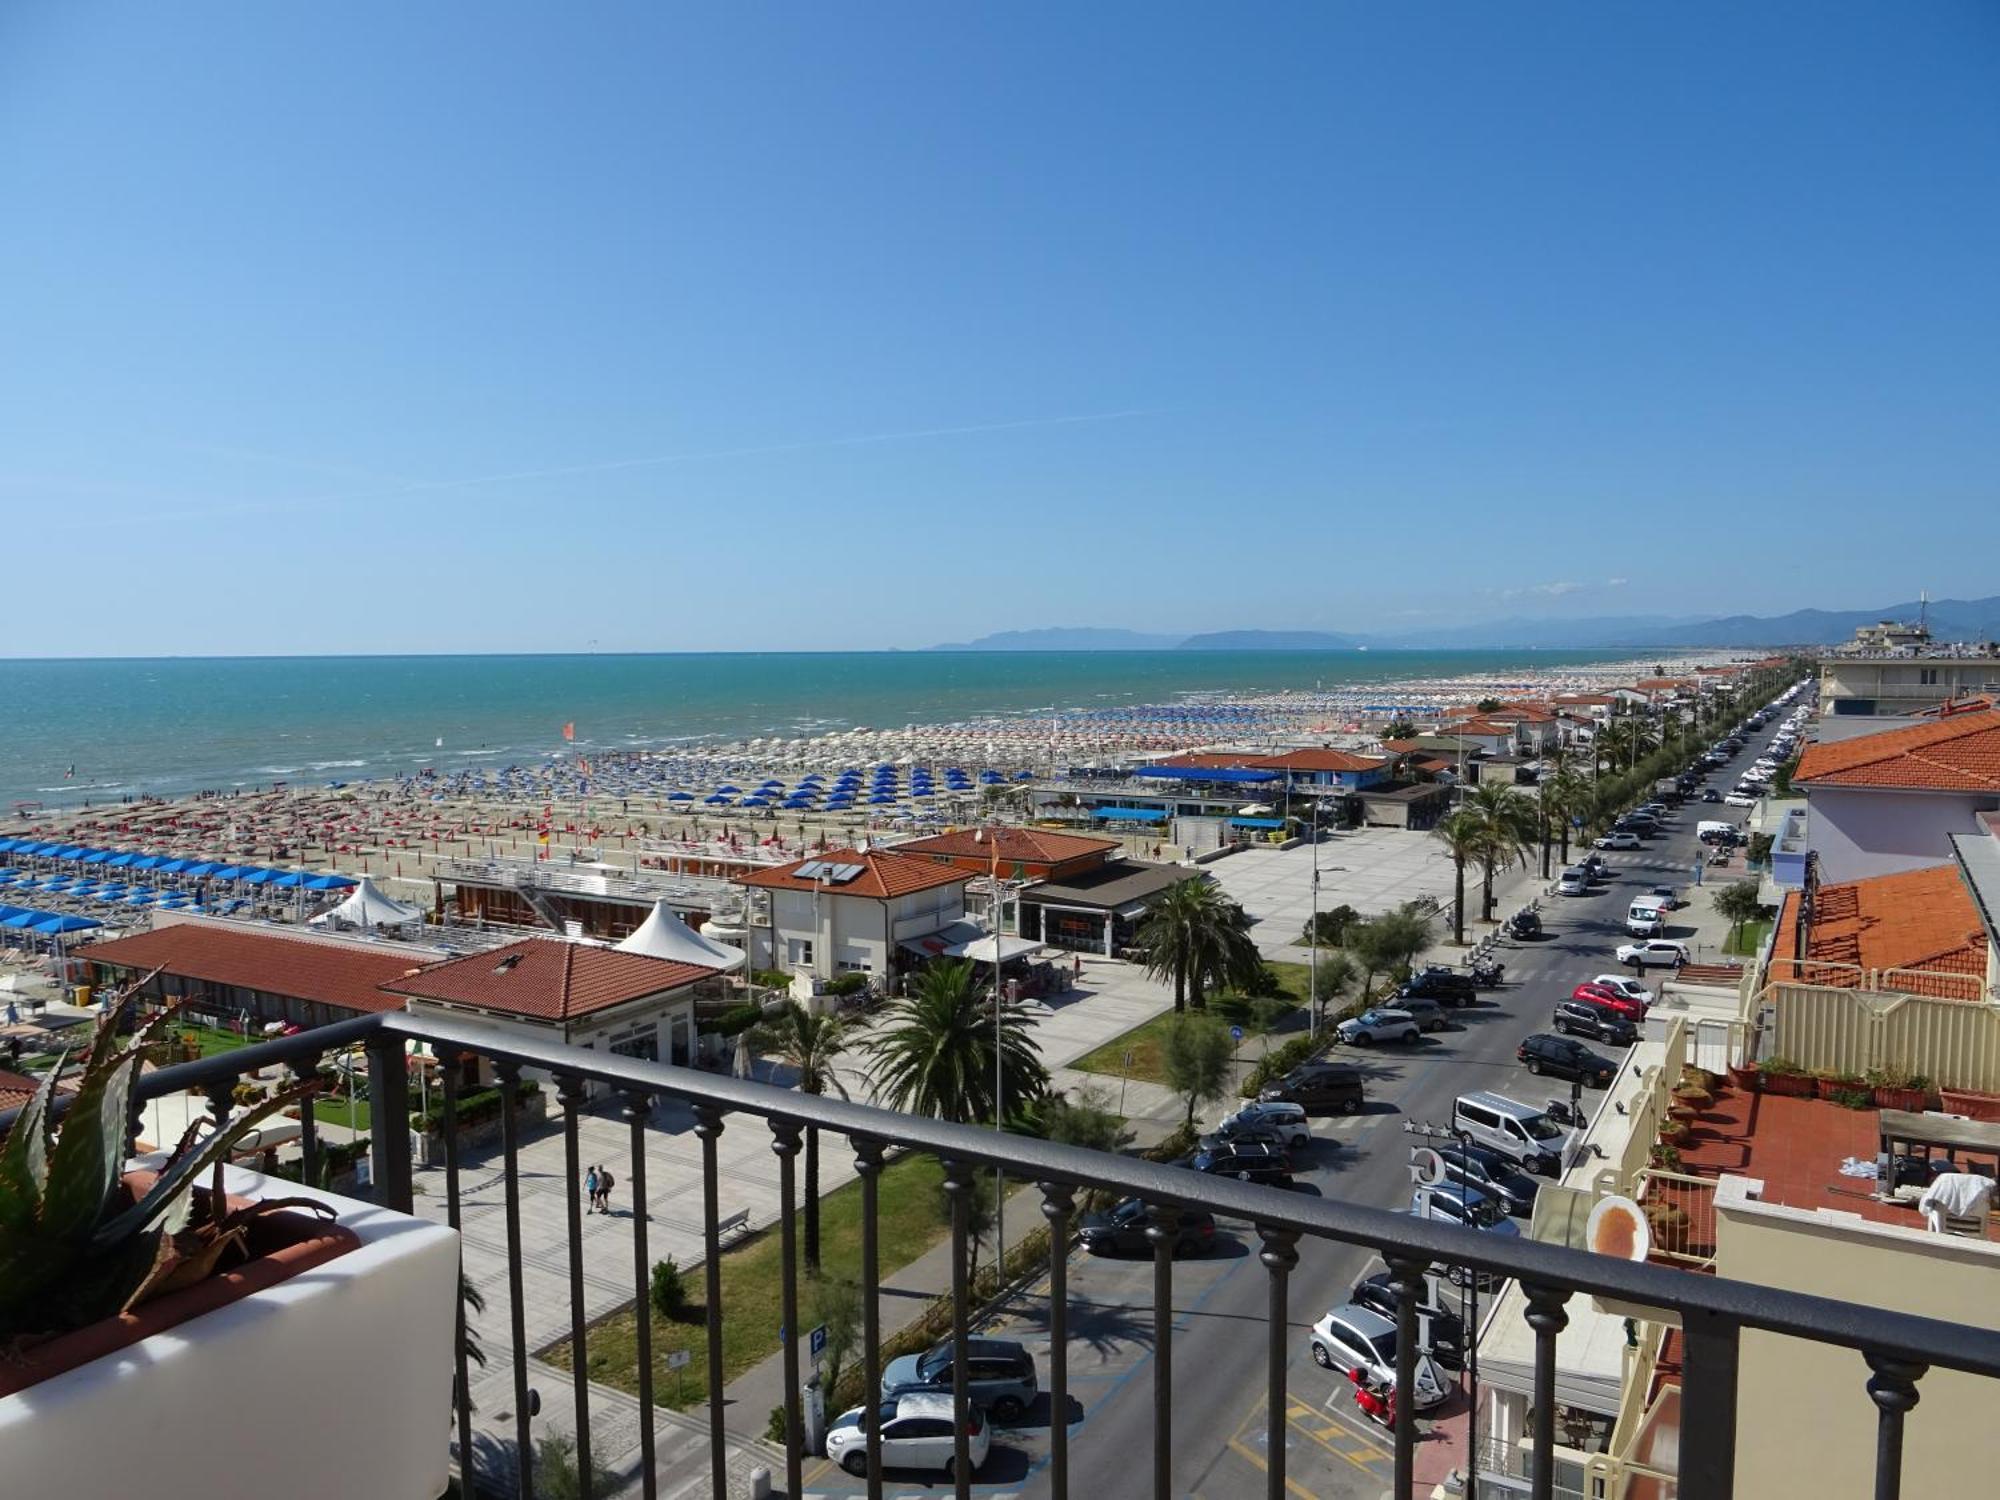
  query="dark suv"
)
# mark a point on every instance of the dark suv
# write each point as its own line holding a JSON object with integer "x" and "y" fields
{"x": 1499, "y": 1177}
{"x": 1438, "y": 983}
{"x": 1249, "y": 1162}
{"x": 1566, "y": 1058}
{"x": 1122, "y": 1231}
{"x": 1583, "y": 1018}
{"x": 1318, "y": 1089}
{"x": 1002, "y": 1375}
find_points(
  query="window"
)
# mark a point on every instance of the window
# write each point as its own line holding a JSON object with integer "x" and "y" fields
{"x": 1927, "y": 676}
{"x": 798, "y": 952}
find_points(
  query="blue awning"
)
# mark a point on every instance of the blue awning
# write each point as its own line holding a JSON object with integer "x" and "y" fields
{"x": 63, "y": 922}
{"x": 329, "y": 883}
{"x": 1256, "y": 822}
{"x": 1205, "y": 773}
{"x": 1130, "y": 814}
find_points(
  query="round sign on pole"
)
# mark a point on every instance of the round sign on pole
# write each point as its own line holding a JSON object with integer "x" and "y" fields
{"x": 1236, "y": 1033}
{"x": 1426, "y": 1166}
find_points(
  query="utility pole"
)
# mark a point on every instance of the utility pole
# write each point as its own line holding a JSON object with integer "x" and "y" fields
{"x": 1468, "y": 1303}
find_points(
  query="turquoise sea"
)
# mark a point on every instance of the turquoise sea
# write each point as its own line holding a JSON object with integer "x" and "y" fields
{"x": 171, "y": 725}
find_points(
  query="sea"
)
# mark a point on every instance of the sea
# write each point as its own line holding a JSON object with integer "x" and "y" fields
{"x": 77, "y": 730}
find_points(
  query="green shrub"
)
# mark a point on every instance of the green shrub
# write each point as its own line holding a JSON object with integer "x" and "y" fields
{"x": 1175, "y": 1146}
{"x": 1854, "y": 1098}
{"x": 736, "y": 1020}
{"x": 772, "y": 979}
{"x": 668, "y": 1292}
{"x": 847, "y": 984}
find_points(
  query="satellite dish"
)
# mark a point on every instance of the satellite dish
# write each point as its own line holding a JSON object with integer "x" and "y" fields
{"x": 1426, "y": 1167}
{"x": 1617, "y": 1227}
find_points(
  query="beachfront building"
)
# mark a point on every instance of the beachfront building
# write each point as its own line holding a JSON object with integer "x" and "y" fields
{"x": 1872, "y": 681}
{"x": 1891, "y": 801}
{"x": 1098, "y": 910}
{"x": 588, "y": 898}
{"x": 578, "y": 994}
{"x": 849, "y": 911}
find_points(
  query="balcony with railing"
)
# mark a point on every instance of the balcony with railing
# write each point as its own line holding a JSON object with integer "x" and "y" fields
{"x": 1714, "y": 1316}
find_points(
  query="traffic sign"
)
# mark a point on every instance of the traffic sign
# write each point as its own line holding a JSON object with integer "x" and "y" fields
{"x": 1236, "y": 1033}
{"x": 817, "y": 1341}
{"x": 678, "y": 1358}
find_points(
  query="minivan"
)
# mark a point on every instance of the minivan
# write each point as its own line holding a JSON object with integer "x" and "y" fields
{"x": 1516, "y": 1130}
{"x": 1642, "y": 918}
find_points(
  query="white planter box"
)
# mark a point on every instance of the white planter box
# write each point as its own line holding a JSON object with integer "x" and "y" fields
{"x": 335, "y": 1384}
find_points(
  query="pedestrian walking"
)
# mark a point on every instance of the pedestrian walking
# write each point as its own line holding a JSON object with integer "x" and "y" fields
{"x": 605, "y": 1182}
{"x": 590, "y": 1185}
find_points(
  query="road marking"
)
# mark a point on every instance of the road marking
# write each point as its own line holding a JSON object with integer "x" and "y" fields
{"x": 1243, "y": 1450}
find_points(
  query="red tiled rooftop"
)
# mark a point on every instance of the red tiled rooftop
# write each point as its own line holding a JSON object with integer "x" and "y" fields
{"x": 1014, "y": 845}
{"x": 1957, "y": 753}
{"x": 301, "y": 967}
{"x": 1318, "y": 759}
{"x": 1922, "y": 920}
{"x": 548, "y": 979}
{"x": 883, "y": 876}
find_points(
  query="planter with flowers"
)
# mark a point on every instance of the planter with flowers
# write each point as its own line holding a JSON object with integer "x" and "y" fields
{"x": 1898, "y": 1088}
{"x": 165, "y": 1317}
{"x": 1783, "y": 1076}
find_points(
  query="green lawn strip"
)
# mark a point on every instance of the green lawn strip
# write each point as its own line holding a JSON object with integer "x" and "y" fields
{"x": 1747, "y": 940}
{"x": 1147, "y": 1040}
{"x": 334, "y": 1111}
{"x": 213, "y": 1040}
{"x": 907, "y": 1224}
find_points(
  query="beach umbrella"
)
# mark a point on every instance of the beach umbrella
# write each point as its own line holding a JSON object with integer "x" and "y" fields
{"x": 680, "y": 796}
{"x": 259, "y": 877}
{"x": 290, "y": 879}
{"x": 229, "y": 872}
{"x": 202, "y": 867}
{"x": 23, "y": 918}
{"x": 95, "y": 857}
{"x": 329, "y": 883}
{"x": 62, "y": 922}
{"x": 173, "y": 866}
{"x": 120, "y": 861}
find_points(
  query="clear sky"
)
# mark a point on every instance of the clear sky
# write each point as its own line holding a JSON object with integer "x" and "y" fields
{"x": 487, "y": 326}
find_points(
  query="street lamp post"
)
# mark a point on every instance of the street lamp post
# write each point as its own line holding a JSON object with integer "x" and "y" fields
{"x": 1468, "y": 1304}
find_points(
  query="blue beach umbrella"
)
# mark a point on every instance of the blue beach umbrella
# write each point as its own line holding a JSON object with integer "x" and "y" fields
{"x": 24, "y": 918}
{"x": 680, "y": 796}
{"x": 62, "y": 922}
{"x": 329, "y": 883}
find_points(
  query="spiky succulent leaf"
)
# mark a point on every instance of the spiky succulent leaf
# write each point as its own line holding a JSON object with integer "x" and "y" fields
{"x": 90, "y": 1148}
{"x": 180, "y": 1175}
{"x": 24, "y": 1159}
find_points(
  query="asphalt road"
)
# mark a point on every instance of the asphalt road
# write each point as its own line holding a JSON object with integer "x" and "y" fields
{"x": 1219, "y": 1427}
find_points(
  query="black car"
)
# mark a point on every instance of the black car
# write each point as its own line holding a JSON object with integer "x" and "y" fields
{"x": 1710, "y": 794}
{"x": 1566, "y": 1058}
{"x": 1242, "y": 1135}
{"x": 1251, "y": 1163}
{"x": 1318, "y": 1089}
{"x": 1378, "y": 1294}
{"x": 1524, "y": 924}
{"x": 1598, "y": 1022}
{"x": 1499, "y": 1177}
{"x": 1436, "y": 982}
{"x": 1122, "y": 1231}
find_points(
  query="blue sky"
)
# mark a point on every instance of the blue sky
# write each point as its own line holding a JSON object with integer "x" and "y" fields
{"x": 484, "y": 326}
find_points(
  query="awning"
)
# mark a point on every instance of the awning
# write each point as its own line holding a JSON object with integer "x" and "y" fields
{"x": 1205, "y": 773}
{"x": 1256, "y": 822}
{"x": 1129, "y": 814}
{"x": 968, "y": 940}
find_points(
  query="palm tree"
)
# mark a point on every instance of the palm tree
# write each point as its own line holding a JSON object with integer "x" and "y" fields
{"x": 808, "y": 1044}
{"x": 1332, "y": 979}
{"x": 1464, "y": 835}
{"x": 1506, "y": 820}
{"x": 1196, "y": 936}
{"x": 935, "y": 1052}
{"x": 1567, "y": 796}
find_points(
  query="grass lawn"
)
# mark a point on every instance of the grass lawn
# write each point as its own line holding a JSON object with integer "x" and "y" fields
{"x": 1748, "y": 939}
{"x": 907, "y": 1224}
{"x": 1147, "y": 1040}
{"x": 214, "y": 1040}
{"x": 334, "y": 1111}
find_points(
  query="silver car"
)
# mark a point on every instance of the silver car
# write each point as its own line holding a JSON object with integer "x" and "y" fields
{"x": 1354, "y": 1337}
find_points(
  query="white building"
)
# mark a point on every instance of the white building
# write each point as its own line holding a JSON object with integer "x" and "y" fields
{"x": 846, "y": 911}
{"x": 1891, "y": 801}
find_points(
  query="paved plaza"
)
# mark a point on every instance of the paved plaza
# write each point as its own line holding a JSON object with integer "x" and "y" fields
{"x": 1370, "y": 869}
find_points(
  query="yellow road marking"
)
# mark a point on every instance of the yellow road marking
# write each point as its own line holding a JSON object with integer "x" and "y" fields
{"x": 1257, "y": 1458}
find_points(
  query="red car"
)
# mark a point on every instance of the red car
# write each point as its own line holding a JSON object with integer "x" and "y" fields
{"x": 1597, "y": 994}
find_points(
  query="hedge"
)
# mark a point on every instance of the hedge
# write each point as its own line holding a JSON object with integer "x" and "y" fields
{"x": 473, "y": 1108}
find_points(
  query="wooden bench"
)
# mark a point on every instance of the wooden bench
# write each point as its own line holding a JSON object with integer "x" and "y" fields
{"x": 736, "y": 1223}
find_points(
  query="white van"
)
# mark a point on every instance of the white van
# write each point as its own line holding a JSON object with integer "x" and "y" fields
{"x": 1713, "y": 828}
{"x": 1517, "y": 1131}
{"x": 1643, "y": 919}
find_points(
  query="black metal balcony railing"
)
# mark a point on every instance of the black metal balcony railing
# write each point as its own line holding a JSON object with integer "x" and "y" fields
{"x": 1899, "y": 1348}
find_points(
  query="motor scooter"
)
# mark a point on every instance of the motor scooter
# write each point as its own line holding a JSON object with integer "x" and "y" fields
{"x": 1486, "y": 972}
{"x": 1376, "y": 1405}
{"x": 1562, "y": 1112}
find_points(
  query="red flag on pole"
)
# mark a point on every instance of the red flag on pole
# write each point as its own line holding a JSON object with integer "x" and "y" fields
{"x": 569, "y": 731}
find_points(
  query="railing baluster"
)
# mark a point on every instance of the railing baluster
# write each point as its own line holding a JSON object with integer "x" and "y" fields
{"x": 517, "y": 1312}
{"x": 570, "y": 1093}
{"x": 1058, "y": 1203}
{"x": 1546, "y": 1316}
{"x": 1163, "y": 1232}
{"x": 868, "y": 1167}
{"x": 1893, "y": 1389}
{"x": 305, "y": 1070}
{"x": 389, "y": 1116}
{"x": 1710, "y": 1344}
{"x": 707, "y": 1128}
{"x": 637, "y": 1106}
{"x": 957, "y": 1185}
{"x": 785, "y": 1143}
{"x": 1279, "y": 1255}
{"x": 1409, "y": 1276}
{"x": 462, "y": 1393}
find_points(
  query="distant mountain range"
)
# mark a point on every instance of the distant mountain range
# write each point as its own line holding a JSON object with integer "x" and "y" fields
{"x": 1950, "y": 620}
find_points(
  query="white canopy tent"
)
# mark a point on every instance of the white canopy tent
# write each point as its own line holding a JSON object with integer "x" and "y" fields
{"x": 664, "y": 935}
{"x": 966, "y": 939}
{"x": 367, "y": 907}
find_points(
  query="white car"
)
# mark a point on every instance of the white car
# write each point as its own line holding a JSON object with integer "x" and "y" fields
{"x": 1288, "y": 1121}
{"x": 1631, "y": 989}
{"x": 1739, "y": 799}
{"x": 1654, "y": 953}
{"x": 1379, "y": 1025}
{"x": 1359, "y": 1338}
{"x": 1617, "y": 841}
{"x": 916, "y": 1434}
{"x": 1573, "y": 883}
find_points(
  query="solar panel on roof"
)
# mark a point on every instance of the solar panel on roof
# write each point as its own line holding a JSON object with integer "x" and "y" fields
{"x": 841, "y": 874}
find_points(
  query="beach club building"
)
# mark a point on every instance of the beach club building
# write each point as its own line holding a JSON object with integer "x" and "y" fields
{"x": 848, "y": 911}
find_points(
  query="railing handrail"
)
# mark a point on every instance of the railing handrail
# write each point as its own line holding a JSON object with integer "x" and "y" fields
{"x": 1771, "y": 1309}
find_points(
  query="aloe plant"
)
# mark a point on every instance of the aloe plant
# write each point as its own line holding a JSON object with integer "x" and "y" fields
{"x": 73, "y": 1250}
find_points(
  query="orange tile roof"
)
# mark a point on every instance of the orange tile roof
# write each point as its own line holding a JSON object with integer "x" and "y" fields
{"x": 300, "y": 968}
{"x": 1318, "y": 759}
{"x": 1015, "y": 845}
{"x": 1586, "y": 700}
{"x": 886, "y": 875}
{"x": 1922, "y": 920}
{"x": 1958, "y": 753}
{"x": 547, "y": 979}
{"x": 1206, "y": 758}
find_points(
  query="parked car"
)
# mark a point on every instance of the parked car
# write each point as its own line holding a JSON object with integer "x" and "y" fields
{"x": 1247, "y": 1135}
{"x": 1354, "y": 1337}
{"x": 1469, "y": 1208}
{"x": 1000, "y": 1375}
{"x": 1379, "y": 1025}
{"x": 1288, "y": 1121}
{"x": 1565, "y": 1057}
{"x": 1595, "y": 1020}
{"x": 1618, "y": 984}
{"x": 1318, "y": 1089}
{"x": 1122, "y": 1231}
{"x": 1667, "y": 897}
{"x": 1573, "y": 883}
{"x": 1596, "y": 864}
{"x": 1446, "y": 1329}
{"x": 1246, "y": 1163}
{"x": 1523, "y": 924}
{"x": 1493, "y": 1173}
{"x": 1426, "y": 1012}
{"x": 1654, "y": 953}
{"x": 916, "y": 1433}
{"x": 1613, "y": 1000}
{"x": 1617, "y": 839}
{"x": 1739, "y": 799}
{"x": 1436, "y": 982}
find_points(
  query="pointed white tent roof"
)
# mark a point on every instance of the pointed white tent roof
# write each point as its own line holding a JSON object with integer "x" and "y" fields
{"x": 367, "y": 907}
{"x": 664, "y": 935}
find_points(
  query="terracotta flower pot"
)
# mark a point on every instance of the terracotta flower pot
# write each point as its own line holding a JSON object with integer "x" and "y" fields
{"x": 1911, "y": 1099}
{"x": 1791, "y": 1085}
{"x": 1750, "y": 1080}
{"x": 1971, "y": 1103}
{"x": 1826, "y": 1088}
